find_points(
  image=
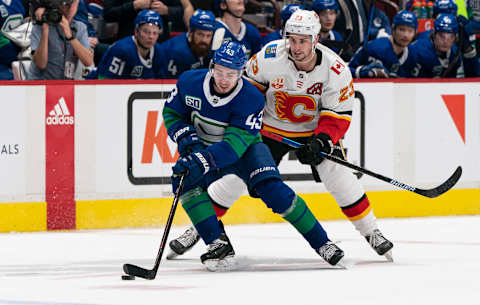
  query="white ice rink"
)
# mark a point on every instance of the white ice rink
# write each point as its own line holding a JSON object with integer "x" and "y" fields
{"x": 437, "y": 261}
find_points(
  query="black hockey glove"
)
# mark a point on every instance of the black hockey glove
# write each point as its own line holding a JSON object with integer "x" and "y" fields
{"x": 309, "y": 153}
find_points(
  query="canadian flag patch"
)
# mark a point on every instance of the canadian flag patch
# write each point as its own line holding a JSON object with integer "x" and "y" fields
{"x": 337, "y": 67}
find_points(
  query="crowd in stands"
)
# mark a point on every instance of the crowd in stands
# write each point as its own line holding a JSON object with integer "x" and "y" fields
{"x": 158, "y": 39}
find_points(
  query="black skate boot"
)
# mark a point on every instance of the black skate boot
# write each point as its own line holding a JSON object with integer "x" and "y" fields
{"x": 331, "y": 253}
{"x": 219, "y": 255}
{"x": 183, "y": 243}
{"x": 380, "y": 244}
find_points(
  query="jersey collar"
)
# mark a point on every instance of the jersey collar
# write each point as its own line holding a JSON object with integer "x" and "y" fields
{"x": 216, "y": 101}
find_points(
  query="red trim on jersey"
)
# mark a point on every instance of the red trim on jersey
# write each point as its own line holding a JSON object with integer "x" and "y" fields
{"x": 358, "y": 210}
{"x": 335, "y": 127}
{"x": 219, "y": 211}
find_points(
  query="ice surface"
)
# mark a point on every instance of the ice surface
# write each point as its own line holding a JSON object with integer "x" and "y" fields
{"x": 437, "y": 261}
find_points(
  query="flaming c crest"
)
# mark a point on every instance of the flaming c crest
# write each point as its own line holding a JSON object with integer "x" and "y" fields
{"x": 286, "y": 104}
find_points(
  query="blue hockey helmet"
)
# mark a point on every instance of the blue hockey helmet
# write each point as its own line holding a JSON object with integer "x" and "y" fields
{"x": 203, "y": 20}
{"x": 322, "y": 5}
{"x": 232, "y": 55}
{"x": 148, "y": 16}
{"x": 288, "y": 10}
{"x": 444, "y": 7}
{"x": 445, "y": 23}
{"x": 216, "y": 5}
{"x": 405, "y": 18}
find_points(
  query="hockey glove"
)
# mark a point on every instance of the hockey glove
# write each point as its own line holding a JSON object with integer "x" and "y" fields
{"x": 194, "y": 166}
{"x": 188, "y": 141}
{"x": 373, "y": 70}
{"x": 309, "y": 153}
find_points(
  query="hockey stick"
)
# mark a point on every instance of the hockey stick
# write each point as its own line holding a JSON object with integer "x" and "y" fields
{"x": 430, "y": 193}
{"x": 150, "y": 274}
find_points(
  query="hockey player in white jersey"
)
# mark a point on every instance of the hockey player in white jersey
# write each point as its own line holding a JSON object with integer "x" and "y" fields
{"x": 309, "y": 95}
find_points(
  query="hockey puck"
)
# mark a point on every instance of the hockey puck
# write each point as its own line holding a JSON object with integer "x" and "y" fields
{"x": 128, "y": 277}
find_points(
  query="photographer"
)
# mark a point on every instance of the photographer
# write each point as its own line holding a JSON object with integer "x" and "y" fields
{"x": 58, "y": 41}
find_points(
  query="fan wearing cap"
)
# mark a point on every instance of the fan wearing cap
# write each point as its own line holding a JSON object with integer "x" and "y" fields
{"x": 136, "y": 56}
{"x": 437, "y": 55}
{"x": 390, "y": 56}
{"x": 59, "y": 44}
{"x": 190, "y": 50}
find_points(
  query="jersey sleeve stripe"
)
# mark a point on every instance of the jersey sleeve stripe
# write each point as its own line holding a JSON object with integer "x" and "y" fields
{"x": 344, "y": 115}
{"x": 290, "y": 134}
{"x": 259, "y": 86}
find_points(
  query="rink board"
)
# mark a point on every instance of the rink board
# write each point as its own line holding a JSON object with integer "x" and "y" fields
{"x": 95, "y": 154}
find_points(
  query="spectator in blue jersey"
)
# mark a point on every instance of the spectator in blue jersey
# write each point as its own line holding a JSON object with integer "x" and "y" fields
{"x": 12, "y": 13}
{"x": 353, "y": 23}
{"x": 438, "y": 56}
{"x": 389, "y": 56}
{"x": 58, "y": 47}
{"x": 285, "y": 14}
{"x": 231, "y": 12}
{"x": 189, "y": 50}
{"x": 440, "y": 7}
{"x": 327, "y": 12}
{"x": 136, "y": 56}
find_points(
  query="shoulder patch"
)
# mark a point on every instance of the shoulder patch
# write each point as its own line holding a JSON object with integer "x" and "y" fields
{"x": 271, "y": 51}
{"x": 337, "y": 67}
{"x": 193, "y": 102}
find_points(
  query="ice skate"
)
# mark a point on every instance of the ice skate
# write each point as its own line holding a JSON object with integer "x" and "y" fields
{"x": 219, "y": 255}
{"x": 183, "y": 243}
{"x": 331, "y": 253}
{"x": 380, "y": 244}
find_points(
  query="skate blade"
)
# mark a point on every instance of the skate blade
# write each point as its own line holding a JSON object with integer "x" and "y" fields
{"x": 389, "y": 256}
{"x": 171, "y": 255}
{"x": 221, "y": 265}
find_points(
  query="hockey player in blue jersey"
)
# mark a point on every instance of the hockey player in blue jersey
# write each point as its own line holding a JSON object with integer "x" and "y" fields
{"x": 136, "y": 56}
{"x": 189, "y": 50}
{"x": 285, "y": 14}
{"x": 437, "y": 55}
{"x": 230, "y": 21}
{"x": 327, "y": 12}
{"x": 11, "y": 16}
{"x": 389, "y": 56}
{"x": 217, "y": 115}
{"x": 440, "y": 7}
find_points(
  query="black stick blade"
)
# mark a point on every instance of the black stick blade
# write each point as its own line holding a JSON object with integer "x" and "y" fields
{"x": 447, "y": 185}
{"x": 138, "y": 271}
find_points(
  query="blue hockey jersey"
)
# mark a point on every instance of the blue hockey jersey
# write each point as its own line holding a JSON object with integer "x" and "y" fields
{"x": 272, "y": 36}
{"x": 381, "y": 51}
{"x": 431, "y": 65}
{"x": 177, "y": 57}
{"x": 335, "y": 36}
{"x": 122, "y": 61}
{"x": 249, "y": 36}
{"x": 11, "y": 16}
{"x": 232, "y": 121}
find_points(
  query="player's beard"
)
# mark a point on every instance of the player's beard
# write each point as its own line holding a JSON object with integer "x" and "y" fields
{"x": 200, "y": 49}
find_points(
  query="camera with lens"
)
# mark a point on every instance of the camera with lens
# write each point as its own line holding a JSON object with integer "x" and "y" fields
{"x": 52, "y": 14}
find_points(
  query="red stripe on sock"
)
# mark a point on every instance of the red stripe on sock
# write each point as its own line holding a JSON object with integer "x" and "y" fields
{"x": 357, "y": 209}
{"x": 219, "y": 211}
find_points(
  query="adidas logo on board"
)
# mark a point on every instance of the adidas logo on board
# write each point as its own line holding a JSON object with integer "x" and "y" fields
{"x": 60, "y": 115}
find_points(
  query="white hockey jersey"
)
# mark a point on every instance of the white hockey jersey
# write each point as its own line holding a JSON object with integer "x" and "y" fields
{"x": 301, "y": 103}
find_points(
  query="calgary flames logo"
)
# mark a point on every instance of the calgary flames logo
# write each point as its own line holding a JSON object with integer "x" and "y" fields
{"x": 286, "y": 105}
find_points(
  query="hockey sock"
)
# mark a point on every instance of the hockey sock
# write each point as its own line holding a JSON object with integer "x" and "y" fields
{"x": 282, "y": 200}
{"x": 219, "y": 210}
{"x": 360, "y": 213}
{"x": 199, "y": 208}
